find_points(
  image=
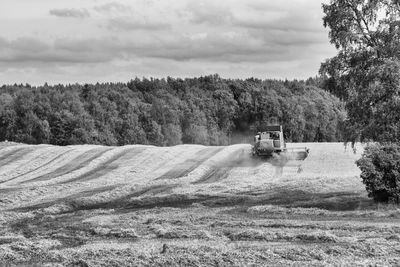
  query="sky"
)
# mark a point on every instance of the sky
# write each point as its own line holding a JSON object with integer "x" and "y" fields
{"x": 76, "y": 41}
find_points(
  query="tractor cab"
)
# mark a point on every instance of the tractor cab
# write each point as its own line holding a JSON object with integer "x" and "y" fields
{"x": 269, "y": 141}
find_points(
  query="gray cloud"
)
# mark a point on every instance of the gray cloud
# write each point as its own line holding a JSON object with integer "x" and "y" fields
{"x": 70, "y": 13}
{"x": 34, "y": 51}
{"x": 293, "y": 6}
{"x": 215, "y": 48}
{"x": 106, "y": 49}
{"x": 233, "y": 38}
{"x": 256, "y": 38}
{"x": 129, "y": 24}
{"x": 113, "y": 8}
{"x": 28, "y": 44}
{"x": 200, "y": 12}
{"x": 253, "y": 46}
{"x": 123, "y": 18}
{"x": 286, "y": 23}
{"x": 289, "y": 22}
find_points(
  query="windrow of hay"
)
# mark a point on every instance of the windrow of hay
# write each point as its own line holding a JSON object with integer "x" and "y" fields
{"x": 257, "y": 234}
{"x": 273, "y": 209}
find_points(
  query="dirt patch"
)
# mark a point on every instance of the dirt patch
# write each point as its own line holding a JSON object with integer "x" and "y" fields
{"x": 132, "y": 200}
{"x": 336, "y": 201}
{"x": 153, "y": 190}
{"x": 333, "y": 201}
{"x": 162, "y": 196}
{"x": 68, "y": 199}
{"x": 67, "y": 229}
{"x": 214, "y": 175}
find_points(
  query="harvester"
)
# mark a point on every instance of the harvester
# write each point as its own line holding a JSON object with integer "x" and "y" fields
{"x": 270, "y": 144}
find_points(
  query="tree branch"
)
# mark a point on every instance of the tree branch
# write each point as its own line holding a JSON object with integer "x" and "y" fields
{"x": 365, "y": 31}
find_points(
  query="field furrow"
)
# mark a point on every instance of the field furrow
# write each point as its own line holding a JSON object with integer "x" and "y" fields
{"x": 190, "y": 164}
{"x": 14, "y": 155}
{"x": 77, "y": 163}
{"x": 107, "y": 166}
{"x": 37, "y": 168}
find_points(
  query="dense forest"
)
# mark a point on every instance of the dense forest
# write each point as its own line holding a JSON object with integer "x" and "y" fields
{"x": 207, "y": 110}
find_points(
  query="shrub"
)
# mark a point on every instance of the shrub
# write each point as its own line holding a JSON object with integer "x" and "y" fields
{"x": 380, "y": 172}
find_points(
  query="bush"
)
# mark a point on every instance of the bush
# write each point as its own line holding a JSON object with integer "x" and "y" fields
{"x": 380, "y": 172}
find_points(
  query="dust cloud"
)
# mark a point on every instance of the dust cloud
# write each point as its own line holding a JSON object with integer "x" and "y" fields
{"x": 243, "y": 158}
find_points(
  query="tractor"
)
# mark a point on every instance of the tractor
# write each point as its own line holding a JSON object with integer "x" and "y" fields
{"x": 269, "y": 144}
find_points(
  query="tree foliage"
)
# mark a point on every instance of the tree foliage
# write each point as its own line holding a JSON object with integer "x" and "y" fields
{"x": 366, "y": 70}
{"x": 206, "y": 110}
{"x": 380, "y": 172}
{"x": 366, "y": 74}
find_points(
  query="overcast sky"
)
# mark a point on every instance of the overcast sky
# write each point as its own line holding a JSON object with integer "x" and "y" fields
{"x": 68, "y": 41}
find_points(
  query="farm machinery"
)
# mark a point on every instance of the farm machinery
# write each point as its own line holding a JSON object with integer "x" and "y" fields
{"x": 270, "y": 144}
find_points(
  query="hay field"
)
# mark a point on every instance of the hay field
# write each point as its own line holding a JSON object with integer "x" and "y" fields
{"x": 188, "y": 205}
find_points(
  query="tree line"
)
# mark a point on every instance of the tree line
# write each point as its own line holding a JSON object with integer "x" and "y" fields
{"x": 207, "y": 110}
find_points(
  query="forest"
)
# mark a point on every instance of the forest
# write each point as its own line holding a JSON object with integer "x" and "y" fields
{"x": 207, "y": 110}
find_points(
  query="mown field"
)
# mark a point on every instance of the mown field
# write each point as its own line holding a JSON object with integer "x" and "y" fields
{"x": 188, "y": 205}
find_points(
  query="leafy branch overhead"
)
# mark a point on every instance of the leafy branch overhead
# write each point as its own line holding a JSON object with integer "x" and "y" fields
{"x": 365, "y": 72}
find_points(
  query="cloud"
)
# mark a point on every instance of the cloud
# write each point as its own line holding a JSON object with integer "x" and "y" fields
{"x": 162, "y": 37}
{"x": 13, "y": 50}
{"x": 212, "y": 46}
{"x": 28, "y": 44}
{"x": 287, "y": 25}
{"x": 121, "y": 18}
{"x": 130, "y": 24}
{"x": 113, "y": 8}
{"x": 70, "y": 13}
{"x": 287, "y": 22}
{"x": 207, "y": 12}
{"x": 298, "y": 6}
{"x": 33, "y": 51}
